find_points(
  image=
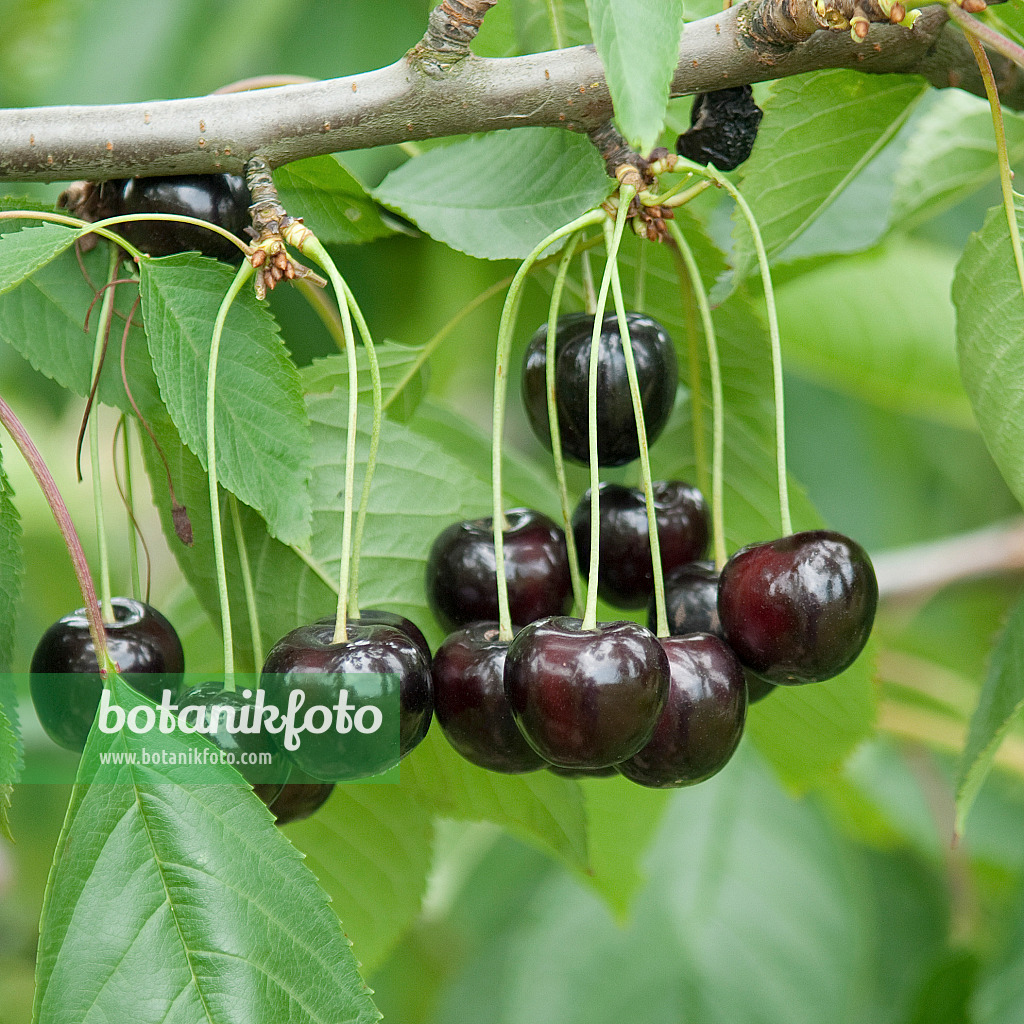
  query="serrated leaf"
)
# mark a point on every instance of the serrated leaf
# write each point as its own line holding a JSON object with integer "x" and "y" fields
{"x": 497, "y": 196}
{"x": 178, "y": 900}
{"x": 819, "y": 131}
{"x": 23, "y": 252}
{"x": 331, "y": 202}
{"x": 10, "y": 767}
{"x": 11, "y": 571}
{"x": 1001, "y": 700}
{"x": 907, "y": 363}
{"x": 396, "y": 362}
{"x": 43, "y": 320}
{"x": 951, "y": 155}
{"x": 371, "y": 848}
{"x": 263, "y": 444}
{"x": 990, "y": 322}
{"x": 638, "y": 43}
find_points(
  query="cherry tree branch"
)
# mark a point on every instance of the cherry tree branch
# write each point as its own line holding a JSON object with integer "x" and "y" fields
{"x": 439, "y": 88}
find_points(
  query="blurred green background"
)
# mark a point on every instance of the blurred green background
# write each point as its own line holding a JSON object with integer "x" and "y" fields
{"x": 759, "y": 905}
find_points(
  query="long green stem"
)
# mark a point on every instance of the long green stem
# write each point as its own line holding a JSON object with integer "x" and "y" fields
{"x": 717, "y": 400}
{"x": 661, "y": 620}
{"x": 773, "y": 334}
{"x": 1005, "y": 174}
{"x": 975, "y": 29}
{"x": 614, "y": 240}
{"x": 102, "y": 333}
{"x": 311, "y": 247}
{"x": 555, "y": 430}
{"x": 250, "y": 590}
{"x": 505, "y": 329}
{"x": 244, "y": 272}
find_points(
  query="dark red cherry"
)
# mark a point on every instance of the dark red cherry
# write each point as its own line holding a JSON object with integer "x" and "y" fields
{"x": 625, "y": 576}
{"x": 470, "y": 701}
{"x": 702, "y": 722}
{"x": 657, "y": 374}
{"x": 583, "y": 773}
{"x": 380, "y": 666}
{"x": 586, "y": 698}
{"x": 375, "y": 616}
{"x": 691, "y": 605}
{"x": 461, "y": 584}
{"x": 798, "y": 609}
{"x": 300, "y": 798}
{"x": 225, "y": 718}
{"x": 222, "y": 199}
{"x": 64, "y": 675}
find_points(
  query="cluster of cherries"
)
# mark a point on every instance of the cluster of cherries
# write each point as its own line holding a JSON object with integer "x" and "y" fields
{"x": 662, "y": 711}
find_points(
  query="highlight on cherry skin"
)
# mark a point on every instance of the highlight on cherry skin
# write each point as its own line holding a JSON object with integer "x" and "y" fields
{"x": 625, "y": 576}
{"x": 460, "y": 579}
{"x": 141, "y": 642}
{"x": 798, "y": 609}
{"x": 657, "y": 375}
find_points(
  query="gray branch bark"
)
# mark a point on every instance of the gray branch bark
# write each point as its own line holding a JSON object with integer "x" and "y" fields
{"x": 421, "y": 97}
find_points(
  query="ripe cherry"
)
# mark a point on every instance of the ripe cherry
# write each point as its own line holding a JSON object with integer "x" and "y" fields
{"x": 300, "y": 798}
{"x": 378, "y": 665}
{"x": 141, "y": 642}
{"x": 470, "y": 701}
{"x": 702, "y": 722}
{"x": 583, "y": 773}
{"x": 798, "y": 609}
{"x": 222, "y": 199}
{"x": 254, "y": 755}
{"x": 657, "y": 374}
{"x": 461, "y": 585}
{"x": 691, "y": 605}
{"x": 625, "y": 577}
{"x": 586, "y": 698}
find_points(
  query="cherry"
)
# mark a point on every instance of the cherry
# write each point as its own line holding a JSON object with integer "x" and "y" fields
{"x": 222, "y": 199}
{"x": 461, "y": 584}
{"x": 300, "y": 798}
{"x": 367, "y": 664}
{"x": 141, "y": 642}
{"x": 657, "y": 374}
{"x": 798, "y": 609}
{"x": 691, "y": 605}
{"x": 583, "y": 773}
{"x": 374, "y": 616}
{"x": 586, "y": 698}
{"x": 470, "y": 701}
{"x": 625, "y": 577}
{"x": 254, "y": 755}
{"x": 702, "y": 722}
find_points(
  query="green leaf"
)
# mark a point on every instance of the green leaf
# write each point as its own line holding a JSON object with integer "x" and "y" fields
{"x": 990, "y": 321}
{"x": 819, "y": 131}
{"x": 174, "y": 899}
{"x": 263, "y": 443}
{"x": 330, "y": 201}
{"x": 999, "y": 998}
{"x": 638, "y": 43}
{"x": 951, "y": 156}
{"x": 10, "y": 764}
{"x": 43, "y": 320}
{"x": 906, "y": 363}
{"x": 497, "y": 196}
{"x": 12, "y": 568}
{"x": 537, "y": 806}
{"x": 528, "y": 27}
{"x": 23, "y": 252}
{"x": 371, "y": 848}
{"x": 396, "y": 363}
{"x": 1002, "y": 697}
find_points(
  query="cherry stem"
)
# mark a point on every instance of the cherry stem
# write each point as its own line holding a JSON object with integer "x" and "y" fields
{"x": 52, "y": 494}
{"x": 247, "y": 585}
{"x": 589, "y": 296}
{"x": 579, "y": 594}
{"x": 506, "y": 327}
{"x": 371, "y": 455}
{"x": 99, "y": 350}
{"x": 717, "y": 400}
{"x": 243, "y": 275}
{"x": 657, "y": 575}
{"x": 1005, "y": 174}
{"x": 613, "y": 239}
{"x": 773, "y": 334}
{"x": 128, "y": 497}
{"x": 974, "y": 30}
{"x": 311, "y": 247}
{"x": 640, "y": 278}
